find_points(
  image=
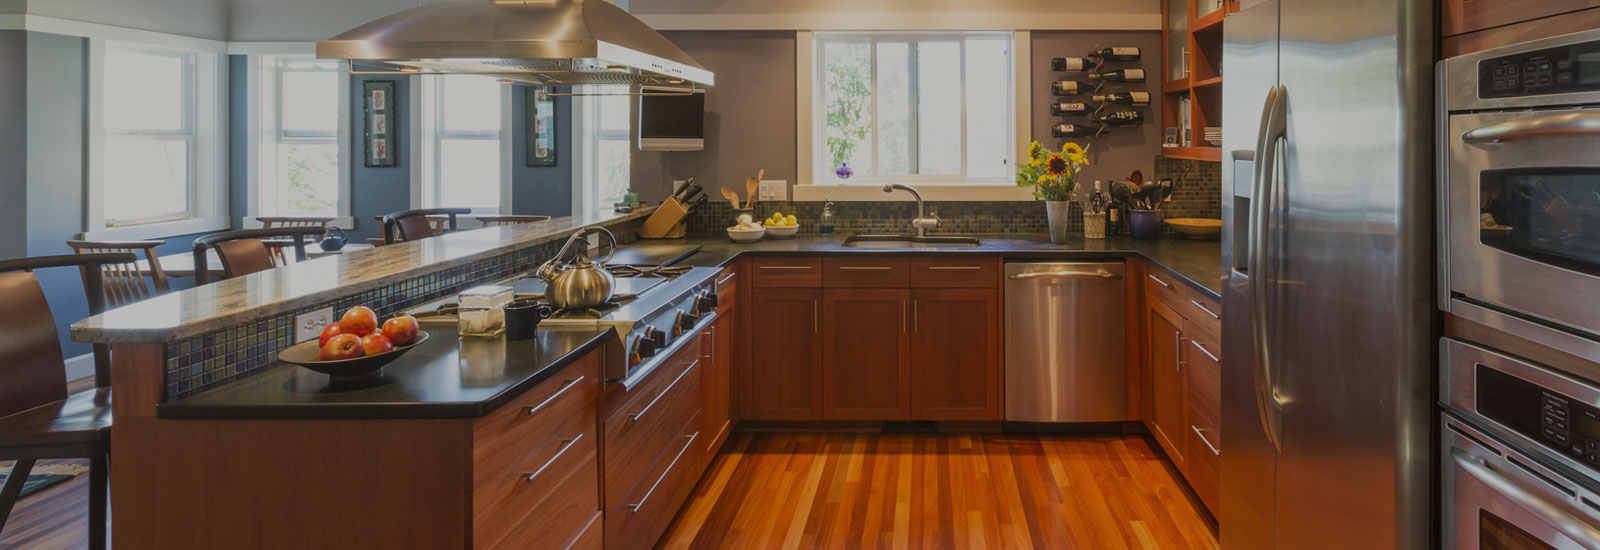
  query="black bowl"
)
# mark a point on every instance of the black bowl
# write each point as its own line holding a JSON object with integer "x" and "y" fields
{"x": 305, "y": 355}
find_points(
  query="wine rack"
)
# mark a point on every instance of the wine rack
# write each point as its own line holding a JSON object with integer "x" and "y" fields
{"x": 1107, "y": 92}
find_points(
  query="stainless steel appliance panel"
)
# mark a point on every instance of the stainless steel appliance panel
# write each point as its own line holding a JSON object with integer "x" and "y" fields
{"x": 1462, "y": 92}
{"x": 1065, "y": 342}
{"x": 1497, "y": 497}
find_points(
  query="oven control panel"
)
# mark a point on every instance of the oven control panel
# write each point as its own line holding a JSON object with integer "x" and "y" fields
{"x": 1565, "y": 69}
{"x": 1560, "y": 422}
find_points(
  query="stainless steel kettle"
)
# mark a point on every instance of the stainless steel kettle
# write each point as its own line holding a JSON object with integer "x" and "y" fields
{"x": 579, "y": 282}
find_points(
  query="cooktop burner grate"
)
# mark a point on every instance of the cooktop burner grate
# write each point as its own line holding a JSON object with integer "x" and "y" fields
{"x": 646, "y": 271}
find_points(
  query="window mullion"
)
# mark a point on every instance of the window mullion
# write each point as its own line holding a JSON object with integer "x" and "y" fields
{"x": 872, "y": 77}
{"x": 961, "y": 60}
{"x": 913, "y": 107}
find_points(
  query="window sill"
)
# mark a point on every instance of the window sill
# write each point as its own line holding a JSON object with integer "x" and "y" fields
{"x": 930, "y": 192}
{"x": 346, "y": 223}
{"x": 157, "y": 230}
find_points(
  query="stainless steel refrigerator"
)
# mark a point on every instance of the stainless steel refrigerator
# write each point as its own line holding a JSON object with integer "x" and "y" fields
{"x": 1327, "y": 245}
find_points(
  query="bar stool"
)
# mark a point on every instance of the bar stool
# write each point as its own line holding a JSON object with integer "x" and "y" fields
{"x": 243, "y": 252}
{"x": 414, "y": 224}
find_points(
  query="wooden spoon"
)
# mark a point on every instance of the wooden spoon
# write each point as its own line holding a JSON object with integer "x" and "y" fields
{"x": 751, "y": 185}
{"x": 733, "y": 198}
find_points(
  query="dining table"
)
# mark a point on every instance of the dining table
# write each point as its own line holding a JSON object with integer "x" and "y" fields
{"x": 182, "y": 264}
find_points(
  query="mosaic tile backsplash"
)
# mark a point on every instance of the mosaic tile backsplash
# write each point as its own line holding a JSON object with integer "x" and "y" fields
{"x": 215, "y": 358}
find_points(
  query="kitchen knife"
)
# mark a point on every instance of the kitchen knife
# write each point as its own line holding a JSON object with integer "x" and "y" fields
{"x": 694, "y": 191}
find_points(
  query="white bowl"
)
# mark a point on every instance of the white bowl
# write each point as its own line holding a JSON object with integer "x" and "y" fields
{"x": 782, "y": 231}
{"x": 745, "y": 235}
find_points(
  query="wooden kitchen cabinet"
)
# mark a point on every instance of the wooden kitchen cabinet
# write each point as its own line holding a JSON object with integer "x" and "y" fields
{"x": 866, "y": 360}
{"x": 785, "y": 370}
{"x": 718, "y": 379}
{"x": 1163, "y": 338}
{"x": 1180, "y": 341}
{"x": 955, "y": 354}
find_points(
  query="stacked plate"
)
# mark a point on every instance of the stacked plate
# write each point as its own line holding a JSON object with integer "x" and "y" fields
{"x": 1213, "y": 134}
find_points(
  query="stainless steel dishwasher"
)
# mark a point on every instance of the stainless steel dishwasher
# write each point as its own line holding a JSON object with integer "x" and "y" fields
{"x": 1065, "y": 342}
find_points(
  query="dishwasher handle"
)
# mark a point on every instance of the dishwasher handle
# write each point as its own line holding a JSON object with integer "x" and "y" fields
{"x": 1065, "y": 275}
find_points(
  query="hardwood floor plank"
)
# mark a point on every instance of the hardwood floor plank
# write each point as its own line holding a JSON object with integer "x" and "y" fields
{"x": 897, "y": 491}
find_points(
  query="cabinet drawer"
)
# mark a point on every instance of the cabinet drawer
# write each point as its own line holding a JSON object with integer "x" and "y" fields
{"x": 1202, "y": 311}
{"x": 1163, "y": 286}
{"x": 866, "y": 272}
{"x": 546, "y": 504}
{"x": 638, "y": 517}
{"x": 786, "y": 272}
{"x": 590, "y": 539}
{"x": 641, "y": 432}
{"x": 1203, "y": 469}
{"x": 559, "y": 408}
{"x": 955, "y": 272}
{"x": 1203, "y": 356}
{"x": 727, "y": 290}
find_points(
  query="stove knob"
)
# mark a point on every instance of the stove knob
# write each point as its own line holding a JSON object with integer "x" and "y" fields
{"x": 685, "y": 322}
{"x": 657, "y": 338}
{"x": 707, "y": 302}
{"x": 643, "y": 348}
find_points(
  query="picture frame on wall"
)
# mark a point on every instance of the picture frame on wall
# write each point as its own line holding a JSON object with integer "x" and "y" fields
{"x": 379, "y": 134}
{"x": 541, "y": 127}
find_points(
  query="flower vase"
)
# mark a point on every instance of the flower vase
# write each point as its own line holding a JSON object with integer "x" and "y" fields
{"x": 1057, "y": 212}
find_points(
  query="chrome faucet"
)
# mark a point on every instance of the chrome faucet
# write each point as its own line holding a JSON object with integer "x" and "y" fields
{"x": 923, "y": 223}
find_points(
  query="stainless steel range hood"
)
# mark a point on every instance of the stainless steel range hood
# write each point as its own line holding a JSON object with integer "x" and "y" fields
{"x": 546, "y": 42}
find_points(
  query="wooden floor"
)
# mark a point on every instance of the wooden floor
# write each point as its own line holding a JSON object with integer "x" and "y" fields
{"x": 52, "y": 519}
{"x": 940, "y": 492}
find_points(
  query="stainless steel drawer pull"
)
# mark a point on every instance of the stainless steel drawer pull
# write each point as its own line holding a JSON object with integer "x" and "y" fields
{"x": 1159, "y": 281}
{"x": 1202, "y": 436}
{"x": 565, "y": 444}
{"x": 1208, "y": 311}
{"x": 564, "y": 387}
{"x": 636, "y": 416}
{"x": 725, "y": 280}
{"x": 864, "y": 268}
{"x": 784, "y": 267}
{"x": 634, "y": 508}
{"x": 1065, "y": 275}
{"x": 1202, "y": 348}
{"x": 954, "y": 267}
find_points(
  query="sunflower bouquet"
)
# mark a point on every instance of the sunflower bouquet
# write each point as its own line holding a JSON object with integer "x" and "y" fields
{"x": 1052, "y": 174}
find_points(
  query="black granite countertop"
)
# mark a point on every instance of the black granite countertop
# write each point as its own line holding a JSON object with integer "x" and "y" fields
{"x": 1197, "y": 263}
{"x": 447, "y": 377}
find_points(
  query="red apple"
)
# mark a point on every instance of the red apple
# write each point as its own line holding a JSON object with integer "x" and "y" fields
{"x": 343, "y": 346}
{"x": 373, "y": 344}
{"x": 401, "y": 330}
{"x": 360, "y": 321}
{"x": 328, "y": 332}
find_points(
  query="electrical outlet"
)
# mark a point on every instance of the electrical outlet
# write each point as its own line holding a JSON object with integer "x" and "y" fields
{"x": 774, "y": 190}
{"x": 308, "y": 326}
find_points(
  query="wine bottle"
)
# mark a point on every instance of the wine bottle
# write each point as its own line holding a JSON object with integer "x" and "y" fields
{"x": 1063, "y": 64}
{"x": 1120, "y": 75}
{"x": 1069, "y": 109}
{"x": 1074, "y": 130}
{"x": 1120, "y": 118}
{"x": 1132, "y": 99}
{"x": 1121, "y": 53}
{"x": 1068, "y": 87}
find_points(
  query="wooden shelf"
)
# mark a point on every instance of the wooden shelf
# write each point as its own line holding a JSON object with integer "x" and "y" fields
{"x": 1175, "y": 86}
{"x": 1215, "y": 81}
{"x": 1213, "y": 154}
{"x": 1211, "y": 22}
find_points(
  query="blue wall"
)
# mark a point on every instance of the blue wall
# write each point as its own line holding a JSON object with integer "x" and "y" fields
{"x": 541, "y": 190}
{"x": 379, "y": 191}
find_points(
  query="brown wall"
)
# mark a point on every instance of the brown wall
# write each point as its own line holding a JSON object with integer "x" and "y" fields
{"x": 1119, "y": 151}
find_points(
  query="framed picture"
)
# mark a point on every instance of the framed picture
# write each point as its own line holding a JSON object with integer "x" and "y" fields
{"x": 379, "y": 112}
{"x": 541, "y": 127}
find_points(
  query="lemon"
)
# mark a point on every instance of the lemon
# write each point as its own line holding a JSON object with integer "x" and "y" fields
{"x": 791, "y": 220}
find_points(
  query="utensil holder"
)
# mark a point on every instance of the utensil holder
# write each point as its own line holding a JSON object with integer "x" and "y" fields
{"x": 1144, "y": 224}
{"x": 1094, "y": 225}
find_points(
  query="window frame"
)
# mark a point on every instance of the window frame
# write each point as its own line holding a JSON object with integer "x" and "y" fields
{"x": 264, "y": 86}
{"x": 815, "y": 181}
{"x": 427, "y": 136}
{"x": 588, "y": 133}
{"x": 205, "y": 135}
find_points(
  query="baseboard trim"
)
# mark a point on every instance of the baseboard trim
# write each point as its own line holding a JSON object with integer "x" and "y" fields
{"x": 80, "y": 367}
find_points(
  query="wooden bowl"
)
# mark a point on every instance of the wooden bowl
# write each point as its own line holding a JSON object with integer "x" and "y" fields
{"x": 305, "y": 354}
{"x": 1196, "y": 228}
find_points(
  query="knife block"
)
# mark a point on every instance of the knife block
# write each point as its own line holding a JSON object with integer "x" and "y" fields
{"x": 667, "y": 222}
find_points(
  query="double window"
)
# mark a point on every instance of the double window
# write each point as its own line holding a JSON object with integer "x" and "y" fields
{"x": 301, "y": 161}
{"x": 913, "y": 107}
{"x": 605, "y": 147}
{"x": 464, "y": 126}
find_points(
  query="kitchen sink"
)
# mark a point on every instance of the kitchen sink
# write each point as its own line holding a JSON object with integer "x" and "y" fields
{"x": 908, "y": 241}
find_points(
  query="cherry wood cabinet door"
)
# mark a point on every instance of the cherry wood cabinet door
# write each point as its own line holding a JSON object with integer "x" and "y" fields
{"x": 955, "y": 354}
{"x": 715, "y": 416}
{"x": 1164, "y": 348}
{"x": 785, "y": 354}
{"x": 866, "y": 365}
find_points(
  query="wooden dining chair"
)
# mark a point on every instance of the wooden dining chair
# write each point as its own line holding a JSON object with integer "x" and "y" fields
{"x": 243, "y": 252}
{"x": 411, "y": 225}
{"x": 127, "y": 283}
{"x": 496, "y": 221}
{"x": 39, "y": 419}
{"x": 268, "y": 222}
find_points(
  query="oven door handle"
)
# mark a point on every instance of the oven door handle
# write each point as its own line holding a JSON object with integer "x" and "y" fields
{"x": 1569, "y": 525}
{"x": 1540, "y": 126}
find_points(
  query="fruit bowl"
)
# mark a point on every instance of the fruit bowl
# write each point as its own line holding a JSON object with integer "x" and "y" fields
{"x": 1196, "y": 228}
{"x": 305, "y": 354}
{"x": 745, "y": 235}
{"x": 782, "y": 231}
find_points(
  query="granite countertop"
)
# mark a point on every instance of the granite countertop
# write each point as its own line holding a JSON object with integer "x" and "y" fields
{"x": 1197, "y": 263}
{"x": 261, "y": 295}
{"x": 447, "y": 377}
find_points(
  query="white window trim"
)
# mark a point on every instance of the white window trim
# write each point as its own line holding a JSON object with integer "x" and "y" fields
{"x": 422, "y": 146}
{"x": 209, "y": 192}
{"x": 253, "y": 129}
{"x": 808, "y": 131}
{"x": 585, "y": 153}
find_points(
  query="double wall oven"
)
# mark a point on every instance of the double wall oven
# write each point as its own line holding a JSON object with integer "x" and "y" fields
{"x": 1520, "y": 255}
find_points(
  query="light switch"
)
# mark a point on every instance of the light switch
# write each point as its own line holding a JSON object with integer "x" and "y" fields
{"x": 774, "y": 190}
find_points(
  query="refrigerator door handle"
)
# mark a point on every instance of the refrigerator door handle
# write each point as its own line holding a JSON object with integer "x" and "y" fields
{"x": 1569, "y": 525}
{"x": 1273, "y": 128}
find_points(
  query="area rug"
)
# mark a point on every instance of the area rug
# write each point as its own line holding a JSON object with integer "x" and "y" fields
{"x": 43, "y": 476}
